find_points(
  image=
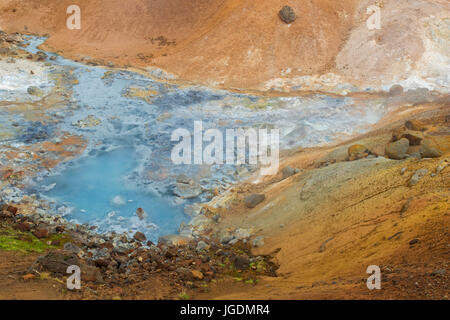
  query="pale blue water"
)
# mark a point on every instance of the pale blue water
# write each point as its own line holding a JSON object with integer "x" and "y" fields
{"x": 98, "y": 190}
{"x": 128, "y": 153}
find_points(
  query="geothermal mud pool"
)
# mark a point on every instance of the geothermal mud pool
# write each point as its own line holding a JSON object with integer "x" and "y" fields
{"x": 127, "y": 119}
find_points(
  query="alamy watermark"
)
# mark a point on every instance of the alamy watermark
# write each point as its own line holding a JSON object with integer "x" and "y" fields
{"x": 374, "y": 281}
{"x": 374, "y": 21}
{"x": 74, "y": 280}
{"x": 73, "y": 22}
{"x": 262, "y": 146}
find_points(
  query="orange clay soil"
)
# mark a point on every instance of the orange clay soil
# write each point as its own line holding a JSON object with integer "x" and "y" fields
{"x": 327, "y": 224}
{"x": 237, "y": 43}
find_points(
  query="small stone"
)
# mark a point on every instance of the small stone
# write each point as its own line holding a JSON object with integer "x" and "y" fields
{"x": 440, "y": 272}
{"x": 41, "y": 233}
{"x": 28, "y": 276}
{"x": 201, "y": 245}
{"x": 288, "y": 171}
{"x": 396, "y": 90}
{"x": 22, "y": 227}
{"x": 442, "y": 165}
{"x": 225, "y": 237}
{"x": 139, "y": 236}
{"x": 140, "y": 213}
{"x": 197, "y": 274}
{"x": 241, "y": 262}
{"x": 287, "y": 14}
{"x": 397, "y": 150}
{"x": 34, "y": 91}
{"x": 174, "y": 240}
{"x": 12, "y": 209}
{"x": 419, "y": 174}
{"x": 242, "y": 234}
{"x": 253, "y": 200}
{"x": 187, "y": 191}
{"x": 258, "y": 242}
{"x": 413, "y": 241}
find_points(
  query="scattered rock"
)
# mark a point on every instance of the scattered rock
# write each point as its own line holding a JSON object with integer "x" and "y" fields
{"x": 201, "y": 245}
{"x": 357, "y": 151}
{"x": 225, "y": 237}
{"x": 28, "y": 276}
{"x": 101, "y": 258}
{"x": 419, "y": 174}
{"x": 41, "y": 233}
{"x": 258, "y": 242}
{"x": 289, "y": 171}
{"x": 442, "y": 165}
{"x": 35, "y": 91}
{"x": 241, "y": 262}
{"x": 91, "y": 274}
{"x": 187, "y": 191}
{"x": 70, "y": 247}
{"x": 242, "y": 234}
{"x": 413, "y": 241}
{"x": 55, "y": 262}
{"x": 174, "y": 240}
{"x": 197, "y": 274}
{"x": 139, "y": 236}
{"x": 287, "y": 14}
{"x": 22, "y": 227}
{"x": 397, "y": 150}
{"x": 396, "y": 90}
{"x": 253, "y": 200}
{"x": 414, "y": 137}
{"x": 89, "y": 121}
{"x": 12, "y": 209}
{"x": 429, "y": 149}
{"x": 140, "y": 213}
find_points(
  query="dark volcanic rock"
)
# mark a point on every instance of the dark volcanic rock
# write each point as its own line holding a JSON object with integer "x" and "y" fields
{"x": 55, "y": 262}
{"x": 287, "y": 14}
{"x": 41, "y": 233}
{"x": 241, "y": 263}
{"x": 139, "y": 236}
{"x": 289, "y": 171}
{"x": 253, "y": 200}
{"x": 23, "y": 227}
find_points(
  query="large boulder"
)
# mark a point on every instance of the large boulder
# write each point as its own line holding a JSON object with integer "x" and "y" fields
{"x": 397, "y": 150}
{"x": 357, "y": 151}
{"x": 57, "y": 262}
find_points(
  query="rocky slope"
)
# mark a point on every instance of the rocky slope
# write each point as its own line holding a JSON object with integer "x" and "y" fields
{"x": 341, "y": 211}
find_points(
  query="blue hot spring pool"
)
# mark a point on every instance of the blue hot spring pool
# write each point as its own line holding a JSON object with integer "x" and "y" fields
{"x": 98, "y": 190}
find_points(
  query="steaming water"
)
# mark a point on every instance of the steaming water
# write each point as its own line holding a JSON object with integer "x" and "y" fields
{"x": 128, "y": 153}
